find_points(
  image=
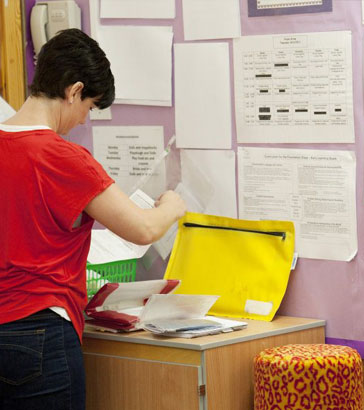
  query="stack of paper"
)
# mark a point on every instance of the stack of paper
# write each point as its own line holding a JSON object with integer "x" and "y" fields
{"x": 150, "y": 305}
{"x": 119, "y": 306}
{"x": 189, "y": 328}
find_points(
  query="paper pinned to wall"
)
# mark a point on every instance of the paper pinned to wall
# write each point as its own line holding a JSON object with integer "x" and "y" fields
{"x": 202, "y": 95}
{"x": 211, "y": 19}
{"x": 141, "y": 61}
{"x": 128, "y": 153}
{"x": 294, "y": 88}
{"x": 156, "y": 9}
{"x": 273, "y": 4}
{"x": 313, "y": 188}
{"x": 219, "y": 168}
{"x": 6, "y": 110}
{"x": 277, "y": 7}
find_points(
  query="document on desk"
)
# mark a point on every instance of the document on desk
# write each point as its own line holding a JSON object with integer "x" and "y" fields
{"x": 189, "y": 328}
{"x": 294, "y": 88}
{"x": 177, "y": 315}
{"x": 109, "y": 247}
{"x": 313, "y": 188}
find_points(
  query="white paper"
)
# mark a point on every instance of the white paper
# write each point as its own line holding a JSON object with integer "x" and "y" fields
{"x": 156, "y": 9}
{"x": 109, "y": 247}
{"x": 157, "y": 163}
{"x": 274, "y": 4}
{"x": 294, "y": 88}
{"x": 194, "y": 204}
{"x": 128, "y": 154}
{"x": 142, "y": 199}
{"x": 197, "y": 190}
{"x": 165, "y": 244}
{"x": 6, "y": 110}
{"x": 313, "y": 188}
{"x": 211, "y": 19}
{"x": 202, "y": 95}
{"x": 188, "y": 328}
{"x": 219, "y": 168}
{"x": 129, "y": 297}
{"x": 141, "y": 61}
{"x": 165, "y": 314}
{"x": 101, "y": 115}
{"x": 176, "y": 306}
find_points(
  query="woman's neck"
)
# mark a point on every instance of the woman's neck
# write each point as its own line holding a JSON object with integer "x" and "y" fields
{"x": 37, "y": 111}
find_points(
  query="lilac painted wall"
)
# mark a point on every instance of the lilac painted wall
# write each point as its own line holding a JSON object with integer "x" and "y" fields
{"x": 321, "y": 289}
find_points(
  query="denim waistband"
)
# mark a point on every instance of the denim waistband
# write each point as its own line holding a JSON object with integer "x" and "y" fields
{"x": 41, "y": 314}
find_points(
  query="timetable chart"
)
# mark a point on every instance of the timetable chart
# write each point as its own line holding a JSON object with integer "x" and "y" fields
{"x": 294, "y": 88}
{"x": 128, "y": 154}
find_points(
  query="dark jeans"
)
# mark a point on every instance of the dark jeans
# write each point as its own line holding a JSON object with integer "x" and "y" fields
{"x": 41, "y": 364}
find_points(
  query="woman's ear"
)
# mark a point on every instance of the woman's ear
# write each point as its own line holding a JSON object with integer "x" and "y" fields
{"x": 73, "y": 91}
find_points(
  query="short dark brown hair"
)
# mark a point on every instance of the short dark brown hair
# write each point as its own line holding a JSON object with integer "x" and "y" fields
{"x": 68, "y": 57}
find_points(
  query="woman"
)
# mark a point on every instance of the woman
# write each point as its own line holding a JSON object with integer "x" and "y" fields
{"x": 51, "y": 193}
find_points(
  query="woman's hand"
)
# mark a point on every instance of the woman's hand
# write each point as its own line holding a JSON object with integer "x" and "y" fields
{"x": 113, "y": 209}
{"x": 172, "y": 199}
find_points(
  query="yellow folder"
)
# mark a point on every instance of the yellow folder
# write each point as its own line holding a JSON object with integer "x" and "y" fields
{"x": 246, "y": 262}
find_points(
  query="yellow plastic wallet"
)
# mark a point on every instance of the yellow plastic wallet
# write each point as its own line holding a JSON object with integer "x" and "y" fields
{"x": 246, "y": 262}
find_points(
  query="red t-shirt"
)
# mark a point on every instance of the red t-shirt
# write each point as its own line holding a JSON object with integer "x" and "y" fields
{"x": 45, "y": 183}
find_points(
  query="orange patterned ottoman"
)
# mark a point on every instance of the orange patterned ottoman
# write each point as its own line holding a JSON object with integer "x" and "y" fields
{"x": 308, "y": 377}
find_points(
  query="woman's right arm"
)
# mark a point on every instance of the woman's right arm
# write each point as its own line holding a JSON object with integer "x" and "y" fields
{"x": 113, "y": 209}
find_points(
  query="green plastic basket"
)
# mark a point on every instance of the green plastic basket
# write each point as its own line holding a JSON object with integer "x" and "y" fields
{"x": 99, "y": 274}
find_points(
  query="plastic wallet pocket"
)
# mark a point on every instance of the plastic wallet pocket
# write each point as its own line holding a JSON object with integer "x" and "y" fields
{"x": 246, "y": 262}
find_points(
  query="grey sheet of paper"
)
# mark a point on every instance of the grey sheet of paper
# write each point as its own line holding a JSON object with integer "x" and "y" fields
{"x": 253, "y": 10}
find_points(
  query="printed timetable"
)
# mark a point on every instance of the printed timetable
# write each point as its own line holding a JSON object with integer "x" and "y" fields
{"x": 294, "y": 88}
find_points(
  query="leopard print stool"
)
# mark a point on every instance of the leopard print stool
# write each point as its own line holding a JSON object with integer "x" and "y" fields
{"x": 308, "y": 377}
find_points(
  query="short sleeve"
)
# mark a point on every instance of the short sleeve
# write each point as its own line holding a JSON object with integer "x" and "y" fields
{"x": 69, "y": 179}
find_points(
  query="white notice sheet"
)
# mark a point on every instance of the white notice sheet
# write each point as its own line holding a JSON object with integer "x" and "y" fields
{"x": 219, "y": 168}
{"x": 211, "y": 19}
{"x": 128, "y": 153}
{"x": 141, "y": 61}
{"x": 294, "y": 88}
{"x": 197, "y": 188}
{"x": 313, "y": 188}
{"x": 202, "y": 88}
{"x": 156, "y": 9}
{"x": 6, "y": 110}
{"x": 273, "y": 4}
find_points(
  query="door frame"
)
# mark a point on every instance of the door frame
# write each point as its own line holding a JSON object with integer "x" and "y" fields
{"x": 12, "y": 52}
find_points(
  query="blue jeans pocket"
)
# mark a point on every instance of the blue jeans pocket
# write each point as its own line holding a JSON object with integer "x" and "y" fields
{"x": 21, "y": 354}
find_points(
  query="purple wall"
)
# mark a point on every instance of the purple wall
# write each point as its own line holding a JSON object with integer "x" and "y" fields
{"x": 320, "y": 289}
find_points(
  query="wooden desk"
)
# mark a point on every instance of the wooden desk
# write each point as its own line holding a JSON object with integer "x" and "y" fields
{"x": 141, "y": 371}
